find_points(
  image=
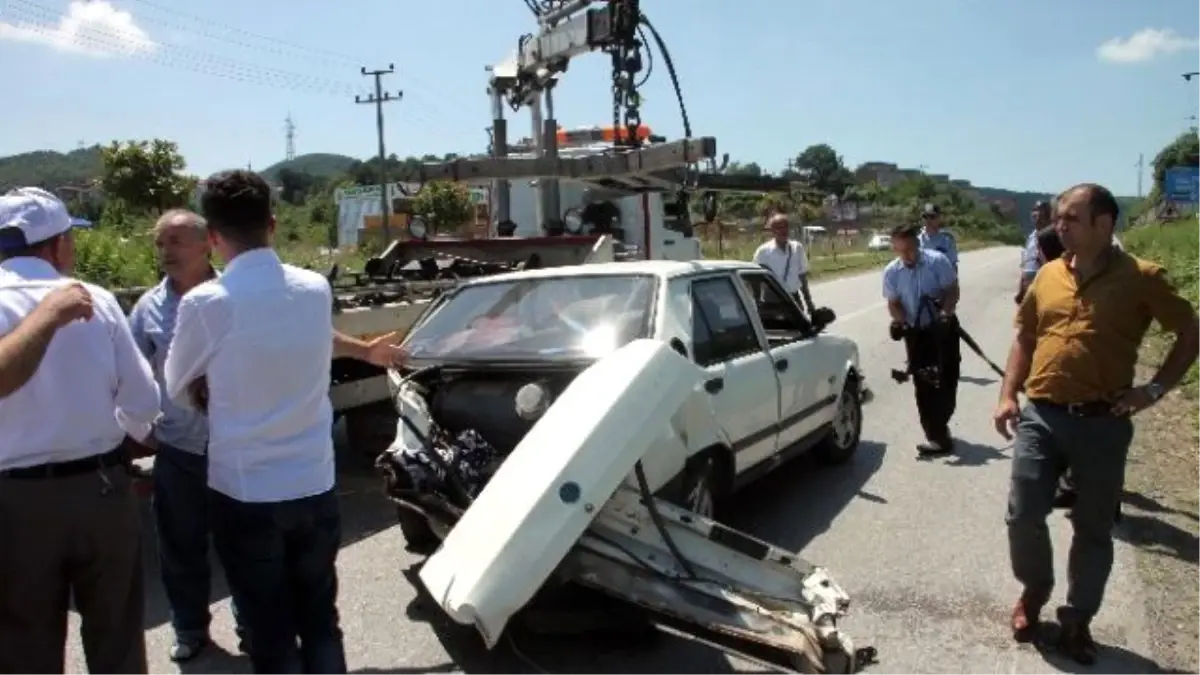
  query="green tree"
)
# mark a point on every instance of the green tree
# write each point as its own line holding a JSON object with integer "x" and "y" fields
{"x": 146, "y": 175}
{"x": 443, "y": 204}
{"x": 824, "y": 169}
{"x": 1183, "y": 151}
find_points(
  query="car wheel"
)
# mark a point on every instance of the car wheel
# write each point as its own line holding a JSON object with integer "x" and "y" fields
{"x": 846, "y": 430}
{"x": 419, "y": 537}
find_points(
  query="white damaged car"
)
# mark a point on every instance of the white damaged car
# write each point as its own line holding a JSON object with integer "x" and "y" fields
{"x": 588, "y": 423}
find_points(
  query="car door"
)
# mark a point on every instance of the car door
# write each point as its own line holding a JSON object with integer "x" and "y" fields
{"x": 790, "y": 343}
{"x": 739, "y": 373}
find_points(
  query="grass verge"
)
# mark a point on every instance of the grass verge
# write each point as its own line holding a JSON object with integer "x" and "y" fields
{"x": 1162, "y": 508}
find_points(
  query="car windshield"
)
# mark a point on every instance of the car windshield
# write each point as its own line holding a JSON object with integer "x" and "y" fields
{"x": 537, "y": 318}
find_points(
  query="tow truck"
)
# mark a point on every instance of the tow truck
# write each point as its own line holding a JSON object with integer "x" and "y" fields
{"x": 571, "y": 504}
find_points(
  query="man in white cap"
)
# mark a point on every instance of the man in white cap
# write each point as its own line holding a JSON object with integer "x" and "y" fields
{"x": 69, "y": 522}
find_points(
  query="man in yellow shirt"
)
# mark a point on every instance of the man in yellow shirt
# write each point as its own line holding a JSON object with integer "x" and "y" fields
{"x": 1078, "y": 329}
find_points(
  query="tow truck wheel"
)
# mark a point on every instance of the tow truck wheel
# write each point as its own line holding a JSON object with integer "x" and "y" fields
{"x": 839, "y": 446}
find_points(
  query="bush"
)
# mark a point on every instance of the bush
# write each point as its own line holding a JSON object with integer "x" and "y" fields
{"x": 1175, "y": 246}
{"x": 119, "y": 252}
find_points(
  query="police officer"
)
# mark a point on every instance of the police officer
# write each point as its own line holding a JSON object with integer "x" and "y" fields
{"x": 69, "y": 521}
{"x": 1032, "y": 258}
{"x": 921, "y": 289}
{"x": 934, "y": 238}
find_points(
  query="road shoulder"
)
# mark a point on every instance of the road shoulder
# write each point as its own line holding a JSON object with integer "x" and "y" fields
{"x": 1161, "y": 520}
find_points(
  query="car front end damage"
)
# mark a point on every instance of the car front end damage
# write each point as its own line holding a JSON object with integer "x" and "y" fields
{"x": 573, "y": 504}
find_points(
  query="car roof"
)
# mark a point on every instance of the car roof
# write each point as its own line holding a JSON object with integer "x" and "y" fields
{"x": 659, "y": 268}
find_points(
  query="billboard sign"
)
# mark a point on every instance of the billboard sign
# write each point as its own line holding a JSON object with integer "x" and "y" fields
{"x": 1182, "y": 184}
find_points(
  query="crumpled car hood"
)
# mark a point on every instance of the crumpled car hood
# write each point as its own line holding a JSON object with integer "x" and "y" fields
{"x": 551, "y": 487}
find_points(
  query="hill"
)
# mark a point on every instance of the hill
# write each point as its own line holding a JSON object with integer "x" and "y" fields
{"x": 50, "y": 169}
{"x": 1025, "y": 201}
{"x": 316, "y": 164}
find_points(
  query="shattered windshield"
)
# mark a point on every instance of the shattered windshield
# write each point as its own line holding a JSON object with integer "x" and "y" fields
{"x": 538, "y": 318}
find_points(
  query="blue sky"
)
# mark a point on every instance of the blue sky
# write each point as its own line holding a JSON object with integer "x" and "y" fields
{"x": 1006, "y": 93}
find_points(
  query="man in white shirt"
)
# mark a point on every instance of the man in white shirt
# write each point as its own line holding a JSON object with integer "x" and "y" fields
{"x": 69, "y": 522}
{"x": 22, "y": 349}
{"x": 787, "y": 260}
{"x": 259, "y": 340}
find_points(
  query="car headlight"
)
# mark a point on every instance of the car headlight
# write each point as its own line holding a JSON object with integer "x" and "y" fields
{"x": 573, "y": 221}
{"x": 417, "y": 229}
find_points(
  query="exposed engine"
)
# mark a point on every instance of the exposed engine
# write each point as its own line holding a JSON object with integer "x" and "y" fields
{"x": 456, "y": 428}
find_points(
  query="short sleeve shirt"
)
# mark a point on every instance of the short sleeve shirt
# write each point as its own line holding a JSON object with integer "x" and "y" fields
{"x": 787, "y": 263}
{"x": 1087, "y": 332}
{"x": 941, "y": 241}
{"x": 930, "y": 275}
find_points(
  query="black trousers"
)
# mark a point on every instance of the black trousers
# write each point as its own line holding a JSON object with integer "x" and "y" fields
{"x": 936, "y": 346}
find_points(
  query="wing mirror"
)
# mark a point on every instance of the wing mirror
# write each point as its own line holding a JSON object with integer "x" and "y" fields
{"x": 822, "y": 317}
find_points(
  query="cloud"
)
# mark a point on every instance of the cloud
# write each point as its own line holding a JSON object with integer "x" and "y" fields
{"x": 94, "y": 28}
{"x": 1144, "y": 45}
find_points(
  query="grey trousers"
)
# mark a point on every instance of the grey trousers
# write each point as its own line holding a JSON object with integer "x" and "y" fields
{"x": 1050, "y": 440}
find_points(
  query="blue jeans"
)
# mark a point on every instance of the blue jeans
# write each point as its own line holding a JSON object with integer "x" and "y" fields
{"x": 280, "y": 559}
{"x": 181, "y": 521}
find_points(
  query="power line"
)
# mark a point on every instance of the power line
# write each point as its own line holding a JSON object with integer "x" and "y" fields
{"x": 189, "y": 59}
{"x": 379, "y": 98}
{"x": 283, "y": 47}
{"x": 41, "y": 19}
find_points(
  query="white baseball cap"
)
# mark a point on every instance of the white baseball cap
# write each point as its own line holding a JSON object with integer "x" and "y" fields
{"x": 31, "y": 215}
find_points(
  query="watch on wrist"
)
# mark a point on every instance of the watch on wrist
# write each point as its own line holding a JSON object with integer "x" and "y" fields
{"x": 1155, "y": 390}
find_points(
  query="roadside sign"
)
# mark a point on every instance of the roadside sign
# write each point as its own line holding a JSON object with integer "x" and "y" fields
{"x": 1183, "y": 184}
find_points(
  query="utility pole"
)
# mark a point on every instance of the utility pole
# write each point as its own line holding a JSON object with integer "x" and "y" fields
{"x": 1141, "y": 167}
{"x": 379, "y": 98}
{"x": 289, "y": 130}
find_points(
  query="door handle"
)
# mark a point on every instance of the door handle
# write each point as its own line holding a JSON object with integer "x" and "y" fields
{"x": 714, "y": 385}
{"x": 781, "y": 365}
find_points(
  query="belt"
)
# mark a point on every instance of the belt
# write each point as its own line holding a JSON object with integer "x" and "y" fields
{"x": 75, "y": 467}
{"x": 1087, "y": 409}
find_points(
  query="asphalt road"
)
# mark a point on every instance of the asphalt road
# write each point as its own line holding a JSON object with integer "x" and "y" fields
{"x": 919, "y": 545}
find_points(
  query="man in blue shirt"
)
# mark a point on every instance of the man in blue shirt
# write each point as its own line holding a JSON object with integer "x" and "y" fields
{"x": 934, "y": 238}
{"x": 181, "y": 439}
{"x": 921, "y": 289}
{"x": 1032, "y": 258}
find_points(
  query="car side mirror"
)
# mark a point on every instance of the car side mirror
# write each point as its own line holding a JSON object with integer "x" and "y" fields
{"x": 822, "y": 317}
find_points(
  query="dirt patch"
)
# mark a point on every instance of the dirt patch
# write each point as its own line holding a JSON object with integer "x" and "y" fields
{"x": 1162, "y": 520}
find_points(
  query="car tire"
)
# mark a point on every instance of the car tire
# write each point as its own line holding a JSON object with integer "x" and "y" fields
{"x": 846, "y": 431}
{"x": 419, "y": 536}
{"x": 701, "y": 487}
